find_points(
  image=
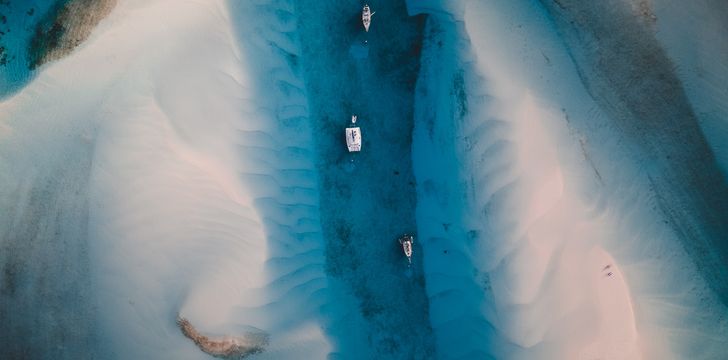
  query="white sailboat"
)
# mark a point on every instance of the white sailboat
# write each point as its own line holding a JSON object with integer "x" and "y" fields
{"x": 353, "y": 136}
{"x": 407, "y": 241}
{"x": 366, "y": 17}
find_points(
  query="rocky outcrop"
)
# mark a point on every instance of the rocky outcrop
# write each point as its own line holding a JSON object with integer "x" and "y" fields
{"x": 226, "y": 347}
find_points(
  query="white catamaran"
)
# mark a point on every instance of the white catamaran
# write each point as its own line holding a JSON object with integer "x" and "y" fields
{"x": 353, "y": 136}
{"x": 407, "y": 240}
{"x": 366, "y": 17}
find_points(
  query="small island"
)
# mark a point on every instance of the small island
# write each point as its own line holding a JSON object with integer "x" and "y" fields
{"x": 226, "y": 347}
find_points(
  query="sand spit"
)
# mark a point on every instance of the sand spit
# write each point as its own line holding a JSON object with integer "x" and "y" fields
{"x": 227, "y": 347}
{"x": 631, "y": 77}
{"x": 63, "y": 29}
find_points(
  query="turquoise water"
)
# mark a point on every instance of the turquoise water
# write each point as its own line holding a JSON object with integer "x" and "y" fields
{"x": 18, "y": 21}
{"x": 359, "y": 204}
{"x": 368, "y": 199}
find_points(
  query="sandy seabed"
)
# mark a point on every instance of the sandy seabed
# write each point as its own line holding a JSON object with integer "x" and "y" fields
{"x": 563, "y": 248}
{"x": 179, "y": 190}
{"x": 167, "y": 167}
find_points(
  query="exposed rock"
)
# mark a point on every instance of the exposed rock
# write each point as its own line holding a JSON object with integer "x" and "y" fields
{"x": 227, "y": 347}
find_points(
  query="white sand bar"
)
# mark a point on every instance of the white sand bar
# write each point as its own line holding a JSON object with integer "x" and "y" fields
{"x": 168, "y": 105}
{"x": 558, "y": 249}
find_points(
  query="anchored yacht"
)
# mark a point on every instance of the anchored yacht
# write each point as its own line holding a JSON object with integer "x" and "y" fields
{"x": 407, "y": 240}
{"x": 366, "y": 17}
{"x": 353, "y": 136}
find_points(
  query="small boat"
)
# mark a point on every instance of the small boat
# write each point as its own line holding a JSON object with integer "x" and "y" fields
{"x": 353, "y": 136}
{"x": 407, "y": 240}
{"x": 366, "y": 17}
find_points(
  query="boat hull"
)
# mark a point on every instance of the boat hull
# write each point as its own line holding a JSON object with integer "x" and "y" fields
{"x": 366, "y": 18}
{"x": 353, "y": 139}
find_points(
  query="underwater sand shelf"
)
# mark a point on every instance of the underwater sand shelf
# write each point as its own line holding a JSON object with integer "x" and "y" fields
{"x": 226, "y": 347}
{"x": 62, "y": 30}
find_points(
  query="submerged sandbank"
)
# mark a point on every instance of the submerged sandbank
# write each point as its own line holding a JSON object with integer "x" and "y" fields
{"x": 183, "y": 192}
{"x": 692, "y": 35}
{"x": 630, "y": 76}
{"x": 544, "y": 179}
